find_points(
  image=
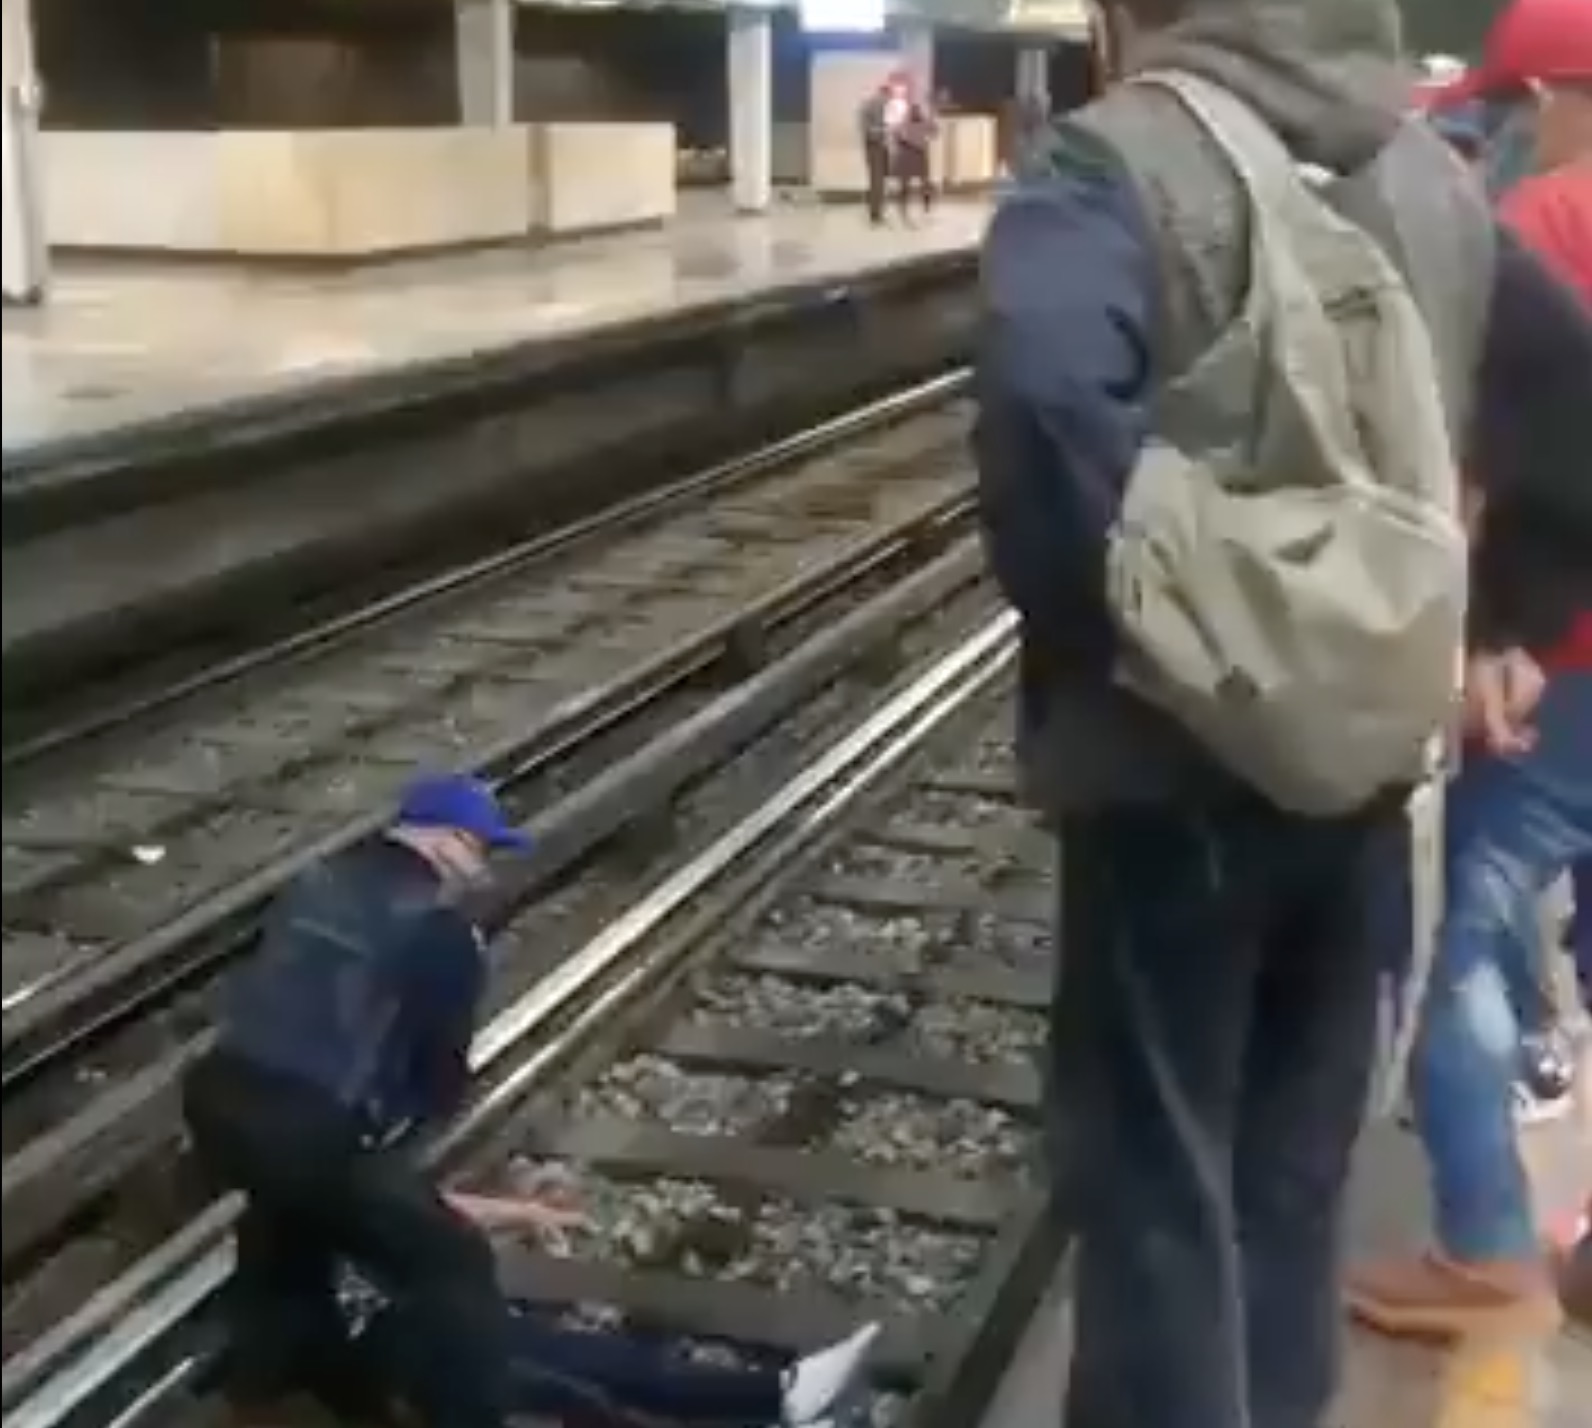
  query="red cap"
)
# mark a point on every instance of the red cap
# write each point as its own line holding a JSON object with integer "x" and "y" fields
{"x": 1533, "y": 40}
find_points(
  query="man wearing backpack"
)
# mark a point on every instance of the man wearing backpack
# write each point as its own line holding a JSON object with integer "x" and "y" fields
{"x": 351, "y": 1022}
{"x": 1217, "y": 442}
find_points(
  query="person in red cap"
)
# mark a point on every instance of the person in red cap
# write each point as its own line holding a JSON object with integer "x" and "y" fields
{"x": 1551, "y": 45}
{"x": 1542, "y": 50}
{"x": 1521, "y": 811}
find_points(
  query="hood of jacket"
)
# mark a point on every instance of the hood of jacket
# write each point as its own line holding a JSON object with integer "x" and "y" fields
{"x": 1329, "y": 76}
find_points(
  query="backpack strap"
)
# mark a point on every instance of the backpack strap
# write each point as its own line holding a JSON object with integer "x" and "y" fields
{"x": 1259, "y": 158}
{"x": 1197, "y": 213}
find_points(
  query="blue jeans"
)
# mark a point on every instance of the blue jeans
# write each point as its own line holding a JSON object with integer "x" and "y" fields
{"x": 602, "y": 1379}
{"x": 1214, "y": 1031}
{"x": 1514, "y": 827}
{"x": 1581, "y": 933}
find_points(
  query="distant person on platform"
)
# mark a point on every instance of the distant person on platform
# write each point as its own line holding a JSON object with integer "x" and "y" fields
{"x": 884, "y": 113}
{"x": 915, "y": 159}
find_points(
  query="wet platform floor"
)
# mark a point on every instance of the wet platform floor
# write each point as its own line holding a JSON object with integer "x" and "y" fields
{"x": 124, "y": 342}
{"x": 1386, "y": 1384}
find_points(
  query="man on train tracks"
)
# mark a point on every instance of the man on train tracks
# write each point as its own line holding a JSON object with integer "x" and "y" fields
{"x": 352, "y": 1021}
{"x": 351, "y": 1024}
{"x": 1217, "y": 447}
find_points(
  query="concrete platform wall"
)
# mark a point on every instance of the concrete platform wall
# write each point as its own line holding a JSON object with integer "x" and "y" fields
{"x": 279, "y": 502}
{"x": 352, "y": 193}
{"x": 588, "y": 177}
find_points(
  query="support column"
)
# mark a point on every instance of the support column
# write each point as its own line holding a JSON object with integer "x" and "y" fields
{"x": 1033, "y": 74}
{"x": 751, "y": 71}
{"x": 915, "y": 41}
{"x": 483, "y": 40}
{"x": 25, "y": 246}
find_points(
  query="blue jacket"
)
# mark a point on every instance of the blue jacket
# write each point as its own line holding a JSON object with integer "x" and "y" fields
{"x": 1066, "y": 375}
{"x": 366, "y": 987}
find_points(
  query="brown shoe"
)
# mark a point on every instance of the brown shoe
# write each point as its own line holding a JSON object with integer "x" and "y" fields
{"x": 1575, "y": 1285}
{"x": 1439, "y": 1299}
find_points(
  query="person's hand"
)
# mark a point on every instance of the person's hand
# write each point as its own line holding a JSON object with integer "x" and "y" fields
{"x": 1502, "y": 691}
{"x": 551, "y": 1220}
{"x": 554, "y": 1216}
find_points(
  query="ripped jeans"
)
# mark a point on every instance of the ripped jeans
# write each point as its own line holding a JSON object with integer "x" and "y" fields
{"x": 1514, "y": 827}
{"x": 1581, "y": 929}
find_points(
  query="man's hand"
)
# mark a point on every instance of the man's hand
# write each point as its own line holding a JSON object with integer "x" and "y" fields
{"x": 542, "y": 1217}
{"x": 1502, "y": 692}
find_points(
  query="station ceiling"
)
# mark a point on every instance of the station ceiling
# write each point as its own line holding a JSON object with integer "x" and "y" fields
{"x": 1068, "y": 18}
{"x": 1058, "y": 16}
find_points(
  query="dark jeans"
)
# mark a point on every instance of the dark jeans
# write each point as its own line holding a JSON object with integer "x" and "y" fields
{"x": 1215, "y": 1033}
{"x": 876, "y": 161}
{"x": 314, "y": 1198}
{"x": 913, "y": 177}
{"x": 594, "y": 1380}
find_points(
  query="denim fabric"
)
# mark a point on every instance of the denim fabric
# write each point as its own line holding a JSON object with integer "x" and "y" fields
{"x": 1581, "y": 930}
{"x": 1514, "y": 827}
{"x": 1213, "y": 1040}
{"x": 1531, "y": 985}
{"x": 608, "y": 1379}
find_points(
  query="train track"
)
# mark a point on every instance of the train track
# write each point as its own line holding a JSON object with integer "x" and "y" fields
{"x": 91, "y": 1189}
{"x": 140, "y": 845}
{"x": 90, "y": 1180}
{"x": 794, "y": 1078}
{"x": 144, "y": 833}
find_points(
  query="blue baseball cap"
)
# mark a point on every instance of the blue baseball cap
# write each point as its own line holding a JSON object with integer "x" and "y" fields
{"x": 463, "y": 803}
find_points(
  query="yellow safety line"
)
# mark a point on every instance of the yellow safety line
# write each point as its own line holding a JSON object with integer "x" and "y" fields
{"x": 1491, "y": 1387}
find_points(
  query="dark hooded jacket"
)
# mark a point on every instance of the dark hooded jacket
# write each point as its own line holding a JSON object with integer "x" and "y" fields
{"x": 1079, "y": 277}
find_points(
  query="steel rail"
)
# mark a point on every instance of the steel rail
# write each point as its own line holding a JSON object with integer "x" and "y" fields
{"x": 326, "y": 634}
{"x": 59, "y": 1375}
{"x": 52, "y": 1177}
{"x": 89, "y": 997}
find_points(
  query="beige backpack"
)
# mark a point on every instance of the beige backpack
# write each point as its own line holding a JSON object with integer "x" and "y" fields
{"x": 1289, "y": 569}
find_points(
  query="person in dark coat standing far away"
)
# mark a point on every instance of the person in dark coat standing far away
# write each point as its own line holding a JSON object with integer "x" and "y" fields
{"x": 879, "y": 122}
{"x": 1147, "y": 469}
{"x": 352, "y": 1022}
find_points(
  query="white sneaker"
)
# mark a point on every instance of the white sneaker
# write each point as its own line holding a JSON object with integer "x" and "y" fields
{"x": 816, "y": 1385}
{"x": 1546, "y": 1087}
{"x": 1532, "y": 1109}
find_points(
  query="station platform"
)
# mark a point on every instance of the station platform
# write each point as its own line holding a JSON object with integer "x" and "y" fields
{"x": 1387, "y": 1384}
{"x": 338, "y": 424}
{"x": 126, "y": 345}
